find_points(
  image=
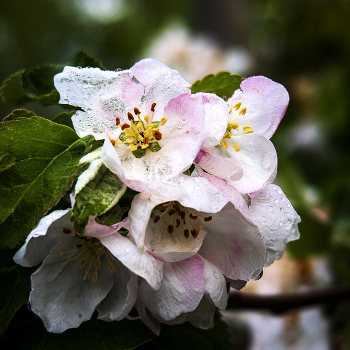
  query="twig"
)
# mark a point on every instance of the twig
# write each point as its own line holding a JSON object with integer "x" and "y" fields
{"x": 282, "y": 302}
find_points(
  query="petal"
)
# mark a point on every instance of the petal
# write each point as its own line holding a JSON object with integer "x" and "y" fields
{"x": 258, "y": 159}
{"x": 215, "y": 285}
{"x": 273, "y": 214}
{"x": 44, "y": 237}
{"x": 121, "y": 298}
{"x": 181, "y": 290}
{"x": 138, "y": 261}
{"x": 93, "y": 229}
{"x": 266, "y": 103}
{"x": 60, "y": 296}
{"x": 233, "y": 244}
{"x": 224, "y": 168}
{"x": 92, "y": 90}
{"x": 132, "y": 93}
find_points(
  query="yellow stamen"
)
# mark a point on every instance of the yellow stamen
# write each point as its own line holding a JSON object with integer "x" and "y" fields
{"x": 163, "y": 120}
{"x": 111, "y": 267}
{"x": 233, "y": 125}
{"x": 65, "y": 253}
{"x": 133, "y": 147}
{"x": 224, "y": 144}
{"x": 98, "y": 264}
{"x": 237, "y": 105}
{"x": 95, "y": 276}
{"x": 236, "y": 147}
{"x": 243, "y": 111}
{"x": 248, "y": 131}
{"x": 146, "y": 118}
{"x": 67, "y": 262}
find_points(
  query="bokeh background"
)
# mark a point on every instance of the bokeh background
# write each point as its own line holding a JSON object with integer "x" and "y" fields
{"x": 304, "y": 45}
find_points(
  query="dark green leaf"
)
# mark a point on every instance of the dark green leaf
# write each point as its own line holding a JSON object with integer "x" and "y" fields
{"x": 113, "y": 216}
{"x": 92, "y": 335}
{"x": 19, "y": 113}
{"x": 12, "y": 89}
{"x": 222, "y": 84}
{"x": 83, "y": 59}
{"x": 65, "y": 119}
{"x": 15, "y": 287}
{"x": 99, "y": 194}
{"x": 46, "y": 163}
{"x": 188, "y": 337}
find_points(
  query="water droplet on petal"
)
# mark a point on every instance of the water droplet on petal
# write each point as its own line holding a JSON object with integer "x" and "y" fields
{"x": 194, "y": 194}
{"x": 80, "y": 315}
{"x": 127, "y": 250}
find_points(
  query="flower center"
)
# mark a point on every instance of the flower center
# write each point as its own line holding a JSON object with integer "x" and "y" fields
{"x": 180, "y": 217}
{"x": 90, "y": 250}
{"x": 140, "y": 134}
{"x": 234, "y": 129}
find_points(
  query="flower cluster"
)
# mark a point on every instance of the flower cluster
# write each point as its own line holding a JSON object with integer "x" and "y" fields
{"x": 206, "y": 214}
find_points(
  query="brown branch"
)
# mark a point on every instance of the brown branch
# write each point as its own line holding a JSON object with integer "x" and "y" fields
{"x": 283, "y": 302}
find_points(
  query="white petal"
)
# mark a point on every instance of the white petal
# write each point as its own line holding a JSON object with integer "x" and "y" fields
{"x": 44, "y": 237}
{"x": 181, "y": 289}
{"x": 138, "y": 261}
{"x": 121, "y": 298}
{"x": 233, "y": 244}
{"x": 60, "y": 295}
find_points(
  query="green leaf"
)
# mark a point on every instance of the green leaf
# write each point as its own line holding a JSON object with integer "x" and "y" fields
{"x": 38, "y": 83}
{"x": 97, "y": 191}
{"x": 113, "y": 216}
{"x": 222, "y": 84}
{"x": 65, "y": 118}
{"x": 47, "y": 159}
{"x": 15, "y": 287}
{"x": 93, "y": 334}
{"x": 19, "y": 113}
{"x": 188, "y": 337}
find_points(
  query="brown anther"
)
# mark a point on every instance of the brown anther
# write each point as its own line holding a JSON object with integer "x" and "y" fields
{"x": 194, "y": 233}
{"x": 187, "y": 233}
{"x": 178, "y": 222}
{"x": 208, "y": 218}
{"x": 171, "y": 212}
{"x": 182, "y": 215}
{"x": 78, "y": 245}
{"x": 86, "y": 239}
{"x": 130, "y": 116}
{"x": 98, "y": 264}
{"x": 146, "y": 140}
{"x": 100, "y": 251}
{"x": 156, "y": 219}
{"x": 153, "y": 106}
{"x": 83, "y": 263}
{"x": 170, "y": 228}
{"x": 137, "y": 111}
{"x": 194, "y": 217}
{"x": 117, "y": 121}
{"x": 93, "y": 240}
{"x": 157, "y": 134}
{"x": 125, "y": 126}
{"x": 76, "y": 234}
{"x": 160, "y": 205}
{"x": 67, "y": 231}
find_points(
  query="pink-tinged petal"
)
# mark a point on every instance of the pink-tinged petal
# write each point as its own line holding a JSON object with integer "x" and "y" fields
{"x": 266, "y": 102}
{"x": 233, "y": 244}
{"x": 273, "y": 214}
{"x": 224, "y": 168}
{"x": 237, "y": 284}
{"x": 132, "y": 93}
{"x": 60, "y": 295}
{"x": 93, "y": 90}
{"x": 191, "y": 192}
{"x": 258, "y": 159}
{"x": 215, "y": 285}
{"x": 229, "y": 192}
{"x": 181, "y": 289}
{"x": 161, "y": 84}
{"x": 93, "y": 229}
{"x": 216, "y": 114}
{"x": 44, "y": 237}
{"x": 121, "y": 298}
{"x": 137, "y": 260}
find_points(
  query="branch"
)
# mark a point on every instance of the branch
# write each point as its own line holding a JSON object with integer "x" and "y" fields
{"x": 282, "y": 302}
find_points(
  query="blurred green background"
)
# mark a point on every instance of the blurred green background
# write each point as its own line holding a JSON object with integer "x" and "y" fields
{"x": 302, "y": 44}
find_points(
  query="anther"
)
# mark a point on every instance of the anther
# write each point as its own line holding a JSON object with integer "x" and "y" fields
{"x": 98, "y": 264}
{"x": 65, "y": 253}
{"x": 93, "y": 240}
{"x": 187, "y": 233}
{"x": 208, "y": 218}
{"x": 67, "y": 231}
{"x": 146, "y": 118}
{"x": 194, "y": 233}
{"x": 95, "y": 276}
{"x": 156, "y": 219}
{"x": 224, "y": 144}
{"x": 153, "y": 106}
{"x": 171, "y": 212}
{"x": 182, "y": 215}
{"x": 163, "y": 120}
{"x": 178, "y": 222}
{"x": 86, "y": 274}
{"x": 137, "y": 111}
{"x": 237, "y": 105}
{"x": 76, "y": 234}
{"x": 194, "y": 217}
{"x": 125, "y": 126}
{"x": 78, "y": 245}
{"x": 83, "y": 263}
{"x": 243, "y": 111}
{"x": 111, "y": 267}
{"x": 130, "y": 116}
{"x": 112, "y": 141}
{"x": 100, "y": 251}
{"x": 67, "y": 262}
{"x": 86, "y": 239}
{"x": 146, "y": 140}
{"x": 157, "y": 134}
{"x": 236, "y": 147}
{"x": 170, "y": 228}
{"x": 117, "y": 121}
{"x": 133, "y": 147}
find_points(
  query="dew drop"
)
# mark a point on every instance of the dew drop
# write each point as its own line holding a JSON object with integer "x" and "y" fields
{"x": 80, "y": 315}
{"x": 194, "y": 194}
{"x": 276, "y": 201}
{"x": 127, "y": 250}
{"x": 281, "y": 223}
{"x": 197, "y": 187}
